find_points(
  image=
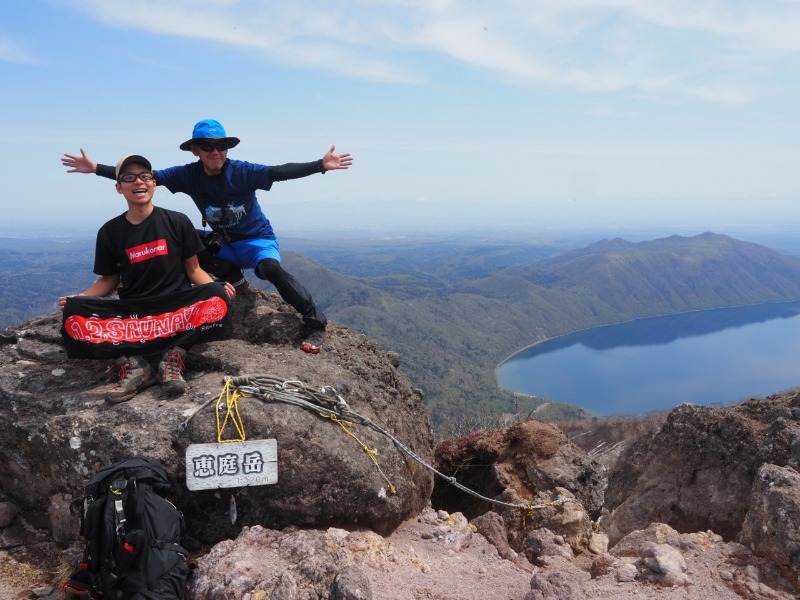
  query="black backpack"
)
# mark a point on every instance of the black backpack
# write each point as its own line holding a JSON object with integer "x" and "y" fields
{"x": 132, "y": 536}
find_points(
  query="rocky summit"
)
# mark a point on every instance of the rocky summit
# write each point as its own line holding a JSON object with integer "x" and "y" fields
{"x": 56, "y": 430}
{"x": 706, "y": 505}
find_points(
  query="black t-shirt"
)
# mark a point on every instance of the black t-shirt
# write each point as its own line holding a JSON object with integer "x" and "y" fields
{"x": 148, "y": 256}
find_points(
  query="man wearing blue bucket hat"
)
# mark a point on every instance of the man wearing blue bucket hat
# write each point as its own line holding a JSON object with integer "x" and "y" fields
{"x": 224, "y": 191}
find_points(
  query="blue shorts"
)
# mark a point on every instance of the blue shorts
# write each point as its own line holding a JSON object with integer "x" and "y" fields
{"x": 246, "y": 254}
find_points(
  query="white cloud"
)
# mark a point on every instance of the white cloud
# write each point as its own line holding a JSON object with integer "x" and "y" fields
{"x": 13, "y": 52}
{"x": 301, "y": 38}
{"x": 715, "y": 50}
{"x": 613, "y": 112}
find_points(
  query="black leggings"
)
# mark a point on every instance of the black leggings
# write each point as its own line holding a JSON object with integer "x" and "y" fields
{"x": 291, "y": 290}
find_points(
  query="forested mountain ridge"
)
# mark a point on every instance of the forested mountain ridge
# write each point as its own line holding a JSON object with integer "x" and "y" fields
{"x": 452, "y": 339}
{"x": 615, "y": 280}
{"x": 455, "y": 310}
{"x": 34, "y": 272}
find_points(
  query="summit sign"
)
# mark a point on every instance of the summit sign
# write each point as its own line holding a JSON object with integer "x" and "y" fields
{"x": 232, "y": 464}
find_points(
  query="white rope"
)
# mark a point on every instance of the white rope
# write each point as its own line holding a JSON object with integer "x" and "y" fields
{"x": 268, "y": 388}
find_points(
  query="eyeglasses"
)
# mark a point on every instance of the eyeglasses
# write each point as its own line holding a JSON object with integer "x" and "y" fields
{"x": 221, "y": 147}
{"x": 131, "y": 177}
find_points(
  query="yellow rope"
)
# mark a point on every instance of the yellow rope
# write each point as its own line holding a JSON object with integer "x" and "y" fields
{"x": 524, "y": 514}
{"x": 371, "y": 452}
{"x": 254, "y": 386}
{"x": 231, "y": 413}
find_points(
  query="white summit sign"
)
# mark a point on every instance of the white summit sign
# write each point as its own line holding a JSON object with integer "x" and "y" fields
{"x": 232, "y": 464}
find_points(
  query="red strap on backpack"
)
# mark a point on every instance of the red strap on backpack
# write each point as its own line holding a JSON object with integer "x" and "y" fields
{"x": 75, "y": 590}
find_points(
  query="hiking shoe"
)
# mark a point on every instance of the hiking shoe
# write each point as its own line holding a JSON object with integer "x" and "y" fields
{"x": 170, "y": 372}
{"x": 314, "y": 341}
{"x": 242, "y": 286}
{"x": 132, "y": 374}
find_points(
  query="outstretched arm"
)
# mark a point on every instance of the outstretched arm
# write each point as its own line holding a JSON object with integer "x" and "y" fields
{"x": 79, "y": 164}
{"x": 333, "y": 161}
{"x": 329, "y": 162}
{"x": 84, "y": 164}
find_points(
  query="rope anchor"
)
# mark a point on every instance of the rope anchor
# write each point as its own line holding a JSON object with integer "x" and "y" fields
{"x": 329, "y": 404}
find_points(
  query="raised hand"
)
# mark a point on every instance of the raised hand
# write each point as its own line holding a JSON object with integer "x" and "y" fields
{"x": 333, "y": 161}
{"x": 79, "y": 164}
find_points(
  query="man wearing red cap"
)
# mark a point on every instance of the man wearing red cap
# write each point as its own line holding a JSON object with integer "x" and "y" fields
{"x": 224, "y": 190}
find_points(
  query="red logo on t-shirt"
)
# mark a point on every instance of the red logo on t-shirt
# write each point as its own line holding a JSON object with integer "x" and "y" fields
{"x": 148, "y": 250}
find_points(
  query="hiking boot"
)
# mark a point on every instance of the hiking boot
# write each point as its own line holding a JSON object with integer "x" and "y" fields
{"x": 314, "y": 341}
{"x": 170, "y": 372}
{"x": 242, "y": 286}
{"x": 132, "y": 374}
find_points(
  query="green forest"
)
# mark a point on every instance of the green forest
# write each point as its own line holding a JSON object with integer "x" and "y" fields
{"x": 454, "y": 309}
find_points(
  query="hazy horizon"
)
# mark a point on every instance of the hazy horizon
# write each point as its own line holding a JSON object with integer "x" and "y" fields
{"x": 620, "y": 114}
{"x": 328, "y": 226}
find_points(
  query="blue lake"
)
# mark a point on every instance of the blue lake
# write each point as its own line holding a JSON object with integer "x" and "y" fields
{"x": 718, "y": 356}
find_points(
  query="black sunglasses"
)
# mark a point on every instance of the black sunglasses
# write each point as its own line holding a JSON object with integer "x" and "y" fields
{"x": 221, "y": 146}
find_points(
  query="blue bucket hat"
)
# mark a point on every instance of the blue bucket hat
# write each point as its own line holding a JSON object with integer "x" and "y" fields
{"x": 209, "y": 129}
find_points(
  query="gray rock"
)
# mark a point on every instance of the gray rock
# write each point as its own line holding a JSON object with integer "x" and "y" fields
{"x": 285, "y": 587}
{"x": 59, "y": 427}
{"x": 394, "y": 359}
{"x": 662, "y": 558}
{"x": 8, "y": 510}
{"x": 697, "y": 472}
{"x": 43, "y": 592}
{"x": 491, "y": 526}
{"x": 656, "y": 533}
{"x": 543, "y": 542}
{"x": 603, "y": 564}
{"x": 772, "y": 524}
{"x": 626, "y": 573}
{"x": 567, "y": 519}
{"x": 598, "y": 543}
{"x": 351, "y": 584}
{"x": 562, "y": 580}
{"x": 666, "y": 564}
{"x": 281, "y": 565}
{"x": 523, "y": 464}
{"x": 676, "y": 579}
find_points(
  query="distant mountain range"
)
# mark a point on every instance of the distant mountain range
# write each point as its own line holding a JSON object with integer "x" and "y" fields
{"x": 454, "y": 321}
{"x": 34, "y": 272}
{"x": 454, "y": 309}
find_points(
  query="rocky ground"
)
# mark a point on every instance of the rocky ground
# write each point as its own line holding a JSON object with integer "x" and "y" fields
{"x": 437, "y": 556}
{"x": 414, "y": 568}
{"x": 329, "y": 531}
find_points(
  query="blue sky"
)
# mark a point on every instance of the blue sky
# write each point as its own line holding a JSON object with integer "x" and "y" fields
{"x": 505, "y": 114}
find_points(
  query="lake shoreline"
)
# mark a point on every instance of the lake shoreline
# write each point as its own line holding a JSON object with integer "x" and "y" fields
{"x": 633, "y": 341}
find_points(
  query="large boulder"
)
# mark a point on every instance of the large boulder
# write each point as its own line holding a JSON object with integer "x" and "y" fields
{"x": 56, "y": 431}
{"x": 531, "y": 456}
{"x": 530, "y": 463}
{"x": 771, "y": 527}
{"x": 698, "y": 471}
